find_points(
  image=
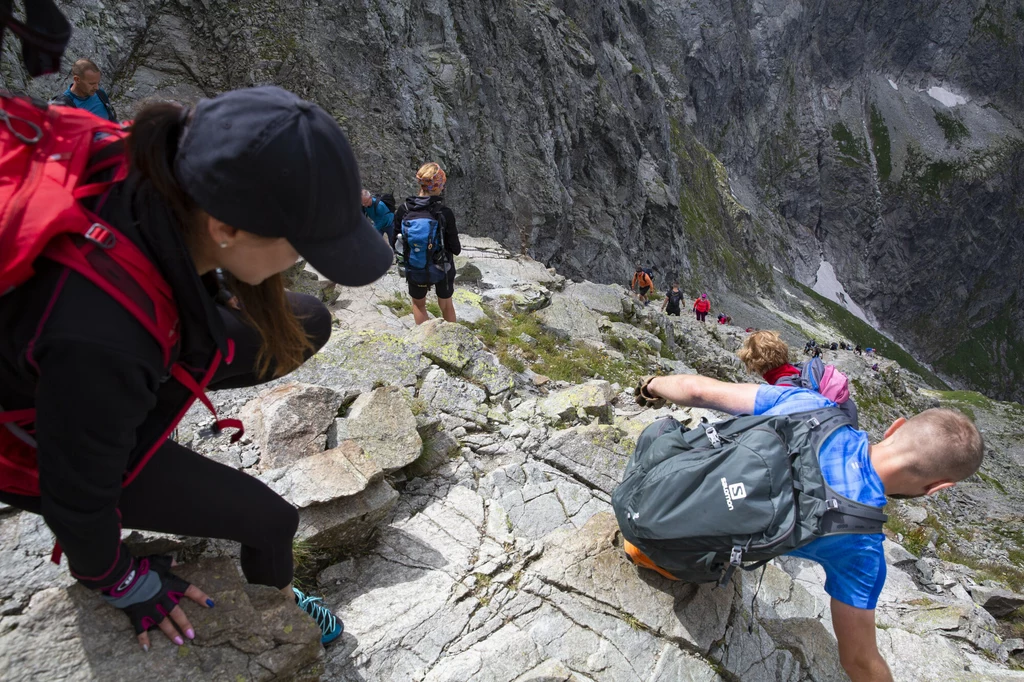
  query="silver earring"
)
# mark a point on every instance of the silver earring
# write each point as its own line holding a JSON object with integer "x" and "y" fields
{"x": 223, "y": 245}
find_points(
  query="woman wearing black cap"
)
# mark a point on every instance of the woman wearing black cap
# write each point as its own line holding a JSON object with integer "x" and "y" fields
{"x": 245, "y": 182}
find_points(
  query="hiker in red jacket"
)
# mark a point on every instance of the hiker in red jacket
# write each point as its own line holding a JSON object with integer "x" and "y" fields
{"x": 112, "y": 332}
{"x": 701, "y": 307}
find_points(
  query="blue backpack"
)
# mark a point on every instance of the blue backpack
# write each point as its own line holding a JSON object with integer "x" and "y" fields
{"x": 426, "y": 261}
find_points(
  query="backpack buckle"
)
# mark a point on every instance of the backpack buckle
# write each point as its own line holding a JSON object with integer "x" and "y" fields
{"x": 831, "y": 504}
{"x": 713, "y": 436}
{"x": 736, "y": 556}
{"x": 101, "y": 236}
{"x": 813, "y": 422}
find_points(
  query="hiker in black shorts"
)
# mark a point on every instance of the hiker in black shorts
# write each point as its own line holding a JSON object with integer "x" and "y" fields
{"x": 672, "y": 300}
{"x": 419, "y": 221}
{"x": 642, "y": 284}
{"x": 91, "y": 384}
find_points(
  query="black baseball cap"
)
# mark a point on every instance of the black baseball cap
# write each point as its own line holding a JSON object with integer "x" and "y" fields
{"x": 265, "y": 161}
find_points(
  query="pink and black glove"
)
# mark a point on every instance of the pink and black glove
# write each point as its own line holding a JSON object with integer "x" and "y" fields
{"x": 148, "y": 593}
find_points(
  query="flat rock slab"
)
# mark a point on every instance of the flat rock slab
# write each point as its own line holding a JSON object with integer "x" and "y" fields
{"x": 592, "y": 399}
{"x": 342, "y": 472}
{"x": 594, "y": 455}
{"x": 254, "y": 633}
{"x": 383, "y": 425}
{"x": 449, "y": 344}
{"x": 601, "y": 298}
{"x": 568, "y": 318}
{"x": 354, "y": 362}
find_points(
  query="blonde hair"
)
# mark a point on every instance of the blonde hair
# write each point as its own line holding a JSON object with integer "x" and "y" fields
{"x": 943, "y": 445}
{"x": 431, "y": 178}
{"x": 763, "y": 351}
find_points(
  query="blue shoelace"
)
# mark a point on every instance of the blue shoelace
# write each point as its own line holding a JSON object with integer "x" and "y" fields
{"x": 327, "y": 621}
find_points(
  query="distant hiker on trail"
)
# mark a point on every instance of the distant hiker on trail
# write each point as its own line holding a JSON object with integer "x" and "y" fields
{"x": 85, "y": 91}
{"x": 857, "y": 350}
{"x": 727, "y": 469}
{"x": 672, "y": 300}
{"x": 724, "y": 319}
{"x": 701, "y": 307}
{"x": 642, "y": 284}
{"x": 381, "y": 213}
{"x": 110, "y": 336}
{"x": 834, "y": 346}
{"x": 430, "y": 242}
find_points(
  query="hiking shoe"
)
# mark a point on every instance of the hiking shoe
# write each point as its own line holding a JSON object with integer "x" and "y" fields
{"x": 330, "y": 625}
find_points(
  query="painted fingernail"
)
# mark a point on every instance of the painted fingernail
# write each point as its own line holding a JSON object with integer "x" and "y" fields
{"x": 179, "y": 641}
{"x": 145, "y": 647}
{"x": 209, "y": 602}
{"x": 190, "y": 633}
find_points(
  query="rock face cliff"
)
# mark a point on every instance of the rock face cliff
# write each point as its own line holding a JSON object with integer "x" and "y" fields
{"x": 713, "y": 140}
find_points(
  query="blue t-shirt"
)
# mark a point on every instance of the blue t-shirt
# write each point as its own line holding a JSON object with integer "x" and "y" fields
{"x": 854, "y": 564}
{"x": 93, "y": 104}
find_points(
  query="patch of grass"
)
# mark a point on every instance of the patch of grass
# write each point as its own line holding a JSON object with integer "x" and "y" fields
{"x": 399, "y": 304}
{"x": 633, "y": 622}
{"x": 1011, "y": 576}
{"x": 552, "y": 356}
{"x": 849, "y": 144}
{"x": 434, "y": 309}
{"x": 419, "y": 406}
{"x": 990, "y": 357}
{"x": 858, "y": 331}
{"x": 925, "y": 176}
{"x": 665, "y": 352}
{"x": 992, "y": 481}
{"x": 952, "y": 127}
{"x": 915, "y": 538}
{"x": 880, "y": 144}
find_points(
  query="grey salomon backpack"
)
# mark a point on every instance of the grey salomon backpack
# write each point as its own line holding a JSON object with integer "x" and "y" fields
{"x": 701, "y": 503}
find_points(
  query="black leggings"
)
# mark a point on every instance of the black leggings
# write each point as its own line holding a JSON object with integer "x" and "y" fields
{"x": 184, "y": 493}
{"x": 700, "y": 316}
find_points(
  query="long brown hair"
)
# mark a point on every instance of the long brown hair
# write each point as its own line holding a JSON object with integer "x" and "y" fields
{"x": 152, "y": 145}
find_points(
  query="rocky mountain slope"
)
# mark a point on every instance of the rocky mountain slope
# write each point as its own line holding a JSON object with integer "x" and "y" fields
{"x": 453, "y": 482}
{"x": 877, "y": 142}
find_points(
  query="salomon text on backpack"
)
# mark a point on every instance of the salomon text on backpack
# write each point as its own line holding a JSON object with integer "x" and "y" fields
{"x": 704, "y": 502}
{"x": 423, "y": 235}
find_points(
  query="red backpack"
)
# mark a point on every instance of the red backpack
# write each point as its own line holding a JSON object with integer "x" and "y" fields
{"x": 46, "y": 154}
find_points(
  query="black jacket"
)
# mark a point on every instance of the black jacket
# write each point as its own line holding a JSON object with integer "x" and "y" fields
{"x": 436, "y": 204}
{"x": 66, "y": 100}
{"x": 97, "y": 380}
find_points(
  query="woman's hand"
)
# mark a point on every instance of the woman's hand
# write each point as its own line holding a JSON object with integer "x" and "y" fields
{"x": 177, "y": 615}
{"x": 150, "y": 593}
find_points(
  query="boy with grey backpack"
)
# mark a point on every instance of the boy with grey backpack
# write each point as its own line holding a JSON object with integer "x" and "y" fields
{"x": 791, "y": 476}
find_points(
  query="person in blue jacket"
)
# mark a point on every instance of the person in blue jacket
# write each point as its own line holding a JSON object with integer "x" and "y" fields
{"x": 378, "y": 213}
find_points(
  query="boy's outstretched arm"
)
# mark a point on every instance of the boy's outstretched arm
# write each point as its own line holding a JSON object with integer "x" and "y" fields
{"x": 692, "y": 390}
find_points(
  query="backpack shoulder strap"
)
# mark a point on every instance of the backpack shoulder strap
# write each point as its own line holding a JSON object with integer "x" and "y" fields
{"x": 842, "y": 515}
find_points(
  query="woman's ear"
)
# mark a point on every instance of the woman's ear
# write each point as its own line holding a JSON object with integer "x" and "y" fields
{"x": 220, "y": 232}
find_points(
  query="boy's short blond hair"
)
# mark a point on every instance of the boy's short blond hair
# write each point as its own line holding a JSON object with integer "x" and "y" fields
{"x": 763, "y": 351}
